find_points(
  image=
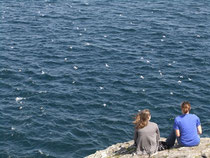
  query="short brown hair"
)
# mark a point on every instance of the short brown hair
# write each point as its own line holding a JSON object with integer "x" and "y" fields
{"x": 185, "y": 107}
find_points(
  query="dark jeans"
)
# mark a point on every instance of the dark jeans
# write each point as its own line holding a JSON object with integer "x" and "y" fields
{"x": 170, "y": 141}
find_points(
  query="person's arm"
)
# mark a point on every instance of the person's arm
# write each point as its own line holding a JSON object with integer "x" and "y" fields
{"x": 177, "y": 133}
{"x": 198, "y": 124}
{"x": 176, "y": 128}
{"x": 199, "y": 129}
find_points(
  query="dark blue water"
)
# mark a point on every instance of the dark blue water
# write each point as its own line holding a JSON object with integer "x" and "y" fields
{"x": 74, "y": 72}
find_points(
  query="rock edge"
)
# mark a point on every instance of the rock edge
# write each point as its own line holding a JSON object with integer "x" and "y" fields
{"x": 127, "y": 150}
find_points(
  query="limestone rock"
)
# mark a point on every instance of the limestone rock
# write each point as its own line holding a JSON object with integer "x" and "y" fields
{"x": 127, "y": 150}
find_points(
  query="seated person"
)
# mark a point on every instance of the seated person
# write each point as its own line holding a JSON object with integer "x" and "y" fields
{"x": 187, "y": 128}
{"x": 146, "y": 135}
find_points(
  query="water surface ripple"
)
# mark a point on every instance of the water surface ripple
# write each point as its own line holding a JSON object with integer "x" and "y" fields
{"x": 73, "y": 73}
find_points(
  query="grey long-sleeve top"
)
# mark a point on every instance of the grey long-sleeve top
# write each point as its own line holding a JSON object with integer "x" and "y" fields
{"x": 147, "y": 139}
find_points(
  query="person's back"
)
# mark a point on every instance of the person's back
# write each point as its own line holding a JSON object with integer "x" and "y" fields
{"x": 147, "y": 140}
{"x": 146, "y": 136}
{"x": 187, "y": 124}
{"x": 186, "y": 128}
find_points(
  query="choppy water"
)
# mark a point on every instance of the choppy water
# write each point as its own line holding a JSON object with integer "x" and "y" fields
{"x": 73, "y": 72}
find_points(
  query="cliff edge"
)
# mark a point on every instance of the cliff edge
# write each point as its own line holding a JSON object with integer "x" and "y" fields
{"x": 127, "y": 150}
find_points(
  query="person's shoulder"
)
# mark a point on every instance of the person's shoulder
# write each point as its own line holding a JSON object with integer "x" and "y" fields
{"x": 178, "y": 117}
{"x": 153, "y": 123}
{"x": 194, "y": 115}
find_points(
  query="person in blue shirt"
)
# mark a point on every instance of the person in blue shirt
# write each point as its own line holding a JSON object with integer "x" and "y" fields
{"x": 187, "y": 128}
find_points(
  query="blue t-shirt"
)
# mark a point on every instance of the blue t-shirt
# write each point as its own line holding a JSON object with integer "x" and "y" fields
{"x": 187, "y": 125}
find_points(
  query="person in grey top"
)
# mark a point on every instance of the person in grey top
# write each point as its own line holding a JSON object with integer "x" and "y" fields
{"x": 146, "y": 135}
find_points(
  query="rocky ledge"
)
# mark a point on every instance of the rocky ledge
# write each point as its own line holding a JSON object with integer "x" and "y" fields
{"x": 127, "y": 150}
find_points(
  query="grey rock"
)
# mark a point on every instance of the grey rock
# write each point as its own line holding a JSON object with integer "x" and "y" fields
{"x": 127, "y": 150}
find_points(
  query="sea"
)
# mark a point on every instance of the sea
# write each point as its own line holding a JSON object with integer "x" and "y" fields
{"x": 73, "y": 73}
